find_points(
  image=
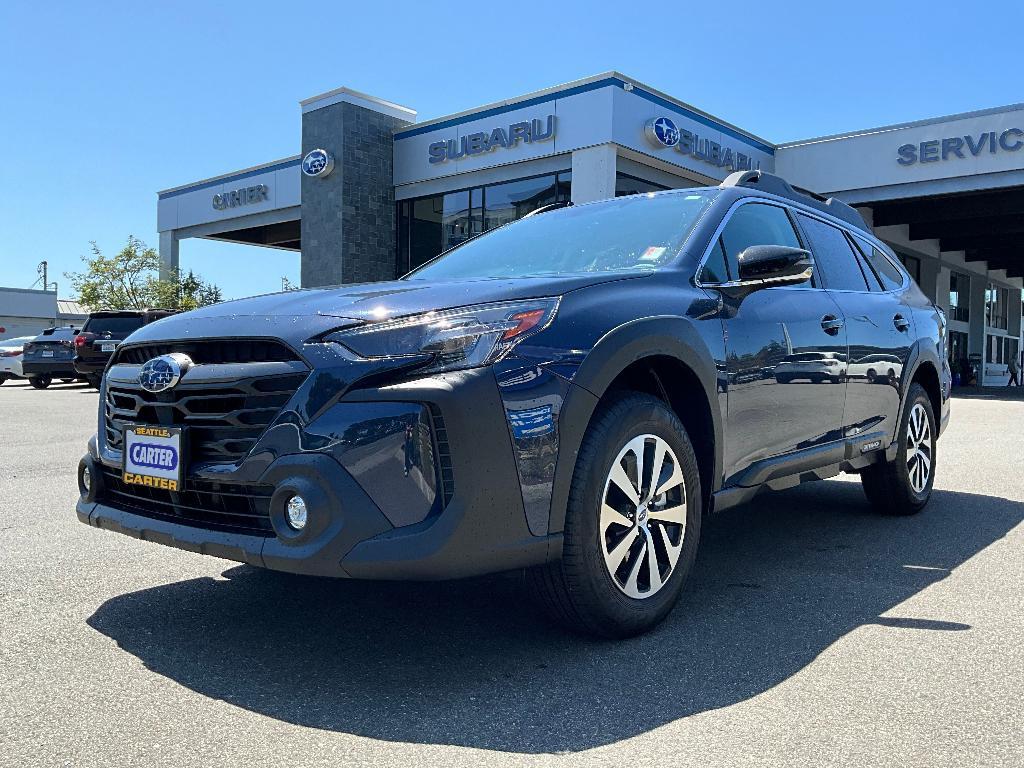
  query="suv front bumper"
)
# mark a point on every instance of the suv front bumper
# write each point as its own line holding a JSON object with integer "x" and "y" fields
{"x": 369, "y": 516}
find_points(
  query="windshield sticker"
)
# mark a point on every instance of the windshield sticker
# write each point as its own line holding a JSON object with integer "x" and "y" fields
{"x": 653, "y": 253}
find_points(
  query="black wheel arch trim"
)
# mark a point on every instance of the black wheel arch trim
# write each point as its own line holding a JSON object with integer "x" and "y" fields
{"x": 669, "y": 336}
{"x": 921, "y": 354}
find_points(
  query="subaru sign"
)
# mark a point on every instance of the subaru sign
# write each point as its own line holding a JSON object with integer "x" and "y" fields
{"x": 163, "y": 372}
{"x": 481, "y": 142}
{"x": 662, "y": 132}
{"x": 318, "y": 163}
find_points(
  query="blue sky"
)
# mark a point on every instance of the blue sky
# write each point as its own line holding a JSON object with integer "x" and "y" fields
{"x": 104, "y": 104}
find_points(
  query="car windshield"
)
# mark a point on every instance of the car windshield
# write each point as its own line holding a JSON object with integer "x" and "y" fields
{"x": 637, "y": 233}
{"x": 113, "y": 324}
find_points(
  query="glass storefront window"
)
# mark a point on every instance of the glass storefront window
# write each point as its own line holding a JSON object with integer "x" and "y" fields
{"x": 959, "y": 297}
{"x": 429, "y": 225}
{"x": 996, "y": 304}
{"x": 912, "y": 264}
{"x": 514, "y": 199}
{"x": 630, "y": 185}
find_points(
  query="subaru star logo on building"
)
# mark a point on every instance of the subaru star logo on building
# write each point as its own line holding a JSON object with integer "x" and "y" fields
{"x": 163, "y": 372}
{"x": 661, "y": 131}
{"x": 318, "y": 163}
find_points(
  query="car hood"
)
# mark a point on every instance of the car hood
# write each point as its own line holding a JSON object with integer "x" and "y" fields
{"x": 297, "y": 315}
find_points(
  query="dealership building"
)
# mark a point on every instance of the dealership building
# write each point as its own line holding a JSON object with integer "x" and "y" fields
{"x": 373, "y": 192}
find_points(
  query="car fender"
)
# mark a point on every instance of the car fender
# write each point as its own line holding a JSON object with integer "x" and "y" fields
{"x": 660, "y": 336}
{"x": 921, "y": 353}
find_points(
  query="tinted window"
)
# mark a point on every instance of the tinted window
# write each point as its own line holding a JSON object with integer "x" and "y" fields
{"x": 887, "y": 272}
{"x": 625, "y": 234}
{"x": 834, "y": 256}
{"x": 874, "y": 284}
{"x": 756, "y": 224}
{"x": 113, "y": 324}
{"x": 714, "y": 270}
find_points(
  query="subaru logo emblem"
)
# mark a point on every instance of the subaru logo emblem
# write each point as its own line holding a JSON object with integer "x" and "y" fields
{"x": 317, "y": 163}
{"x": 164, "y": 372}
{"x": 662, "y": 132}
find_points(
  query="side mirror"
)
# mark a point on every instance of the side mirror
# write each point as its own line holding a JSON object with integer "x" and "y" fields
{"x": 762, "y": 266}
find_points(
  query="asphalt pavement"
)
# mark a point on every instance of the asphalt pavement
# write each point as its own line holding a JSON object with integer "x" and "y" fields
{"x": 812, "y": 633}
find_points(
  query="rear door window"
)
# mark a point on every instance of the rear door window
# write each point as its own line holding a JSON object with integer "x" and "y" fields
{"x": 887, "y": 272}
{"x": 834, "y": 256}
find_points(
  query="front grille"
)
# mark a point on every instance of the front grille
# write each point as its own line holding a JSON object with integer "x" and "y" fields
{"x": 213, "y": 351}
{"x": 203, "y": 504}
{"x": 223, "y": 420}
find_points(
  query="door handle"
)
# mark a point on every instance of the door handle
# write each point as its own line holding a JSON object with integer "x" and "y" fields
{"x": 831, "y": 325}
{"x": 901, "y": 323}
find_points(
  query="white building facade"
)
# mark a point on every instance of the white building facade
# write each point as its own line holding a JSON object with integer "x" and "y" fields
{"x": 385, "y": 193}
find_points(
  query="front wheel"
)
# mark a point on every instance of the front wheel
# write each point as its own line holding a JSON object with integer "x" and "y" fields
{"x": 632, "y": 523}
{"x": 904, "y": 485}
{"x": 40, "y": 382}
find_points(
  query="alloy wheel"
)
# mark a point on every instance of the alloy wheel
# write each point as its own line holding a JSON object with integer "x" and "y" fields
{"x": 919, "y": 448}
{"x": 643, "y": 516}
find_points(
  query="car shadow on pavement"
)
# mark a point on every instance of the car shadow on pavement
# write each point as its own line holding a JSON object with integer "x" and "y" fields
{"x": 472, "y": 663}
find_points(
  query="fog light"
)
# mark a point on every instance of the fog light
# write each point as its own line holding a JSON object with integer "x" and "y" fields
{"x": 86, "y": 479}
{"x": 295, "y": 512}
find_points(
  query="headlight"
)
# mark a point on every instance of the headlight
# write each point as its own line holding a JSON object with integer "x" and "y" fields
{"x": 451, "y": 339}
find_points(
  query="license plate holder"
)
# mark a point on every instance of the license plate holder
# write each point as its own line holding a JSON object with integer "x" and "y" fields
{"x": 108, "y": 346}
{"x": 154, "y": 457}
{"x": 47, "y": 353}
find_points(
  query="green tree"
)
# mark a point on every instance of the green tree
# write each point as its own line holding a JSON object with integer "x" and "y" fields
{"x": 130, "y": 280}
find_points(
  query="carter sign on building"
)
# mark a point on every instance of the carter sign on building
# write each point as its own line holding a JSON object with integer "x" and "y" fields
{"x": 244, "y": 196}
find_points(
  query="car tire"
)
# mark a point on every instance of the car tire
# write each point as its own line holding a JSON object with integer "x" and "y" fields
{"x": 603, "y": 586}
{"x": 40, "y": 382}
{"x": 94, "y": 381}
{"x": 3, "y": 379}
{"x": 904, "y": 485}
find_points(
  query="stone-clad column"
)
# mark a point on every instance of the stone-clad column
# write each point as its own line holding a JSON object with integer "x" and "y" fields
{"x": 348, "y": 216}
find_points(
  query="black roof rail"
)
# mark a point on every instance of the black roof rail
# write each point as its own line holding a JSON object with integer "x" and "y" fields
{"x": 777, "y": 185}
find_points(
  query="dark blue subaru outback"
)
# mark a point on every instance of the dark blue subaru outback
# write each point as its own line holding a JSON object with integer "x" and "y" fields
{"x": 570, "y": 393}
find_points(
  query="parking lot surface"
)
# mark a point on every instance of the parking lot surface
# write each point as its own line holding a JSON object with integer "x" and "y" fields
{"x": 813, "y": 632}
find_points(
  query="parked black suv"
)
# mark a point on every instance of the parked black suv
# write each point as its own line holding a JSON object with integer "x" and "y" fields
{"x": 569, "y": 393}
{"x": 49, "y": 356}
{"x": 101, "y": 334}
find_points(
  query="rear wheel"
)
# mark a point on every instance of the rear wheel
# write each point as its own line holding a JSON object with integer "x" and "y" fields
{"x": 41, "y": 382}
{"x": 632, "y": 523}
{"x": 94, "y": 380}
{"x": 3, "y": 378}
{"x": 904, "y": 485}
